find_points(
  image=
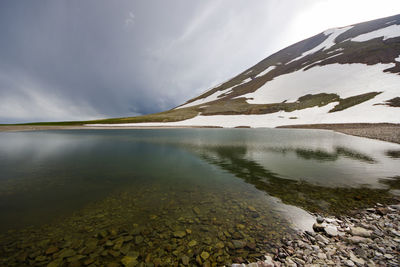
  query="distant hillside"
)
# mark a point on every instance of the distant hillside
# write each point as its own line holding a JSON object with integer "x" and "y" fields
{"x": 342, "y": 75}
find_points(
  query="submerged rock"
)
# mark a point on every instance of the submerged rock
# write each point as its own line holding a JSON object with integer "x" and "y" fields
{"x": 51, "y": 250}
{"x": 196, "y": 210}
{"x": 192, "y": 243}
{"x": 179, "y": 234}
{"x": 238, "y": 244}
{"x": 129, "y": 261}
{"x": 66, "y": 253}
{"x": 185, "y": 260}
{"x": 204, "y": 255}
{"x": 138, "y": 239}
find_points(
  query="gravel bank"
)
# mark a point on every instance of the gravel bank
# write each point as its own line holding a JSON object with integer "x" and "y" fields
{"x": 380, "y": 131}
{"x": 370, "y": 238}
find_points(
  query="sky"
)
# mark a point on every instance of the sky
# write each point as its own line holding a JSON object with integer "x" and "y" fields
{"x": 79, "y": 60}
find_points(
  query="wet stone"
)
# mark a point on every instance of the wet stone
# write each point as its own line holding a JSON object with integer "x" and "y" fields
{"x": 251, "y": 208}
{"x": 220, "y": 245}
{"x": 331, "y": 230}
{"x": 238, "y": 244}
{"x": 196, "y": 210}
{"x": 88, "y": 261}
{"x": 55, "y": 263}
{"x": 138, "y": 239}
{"x": 129, "y": 261}
{"x": 185, "y": 260}
{"x": 66, "y": 253}
{"x": 204, "y": 255}
{"x": 320, "y": 219}
{"x": 103, "y": 233}
{"x": 359, "y": 231}
{"x": 179, "y": 234}
{"x": 128, "y": 238}
{"x": 51, "y": 250}
{"x": 109, "y": 243}
{"x": 76, "y": 258}
{"x": 240, "y": 226}
{"x": 40, "y": 258}
{"x": 317, "y": 227}
{"x": 192, "y": 243}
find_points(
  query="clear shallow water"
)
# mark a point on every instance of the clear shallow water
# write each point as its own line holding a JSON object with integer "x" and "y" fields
{"x": 235, "y": 192}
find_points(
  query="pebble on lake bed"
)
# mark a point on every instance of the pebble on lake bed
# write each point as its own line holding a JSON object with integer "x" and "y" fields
{"x": 201, "y": 236}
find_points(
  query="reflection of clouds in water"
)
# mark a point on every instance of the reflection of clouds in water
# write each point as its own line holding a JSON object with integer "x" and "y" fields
{"x": 319, "y": 157}
{"x": 42, "y": 145}
{"x": 301, "y": 168}
{"x": 298, "y": 217}
{"x": 343, "y": 167}
{"x": 311, "y": 196}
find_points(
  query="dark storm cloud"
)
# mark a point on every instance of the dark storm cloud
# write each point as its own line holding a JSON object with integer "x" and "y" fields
{"x": 66, "y": 60}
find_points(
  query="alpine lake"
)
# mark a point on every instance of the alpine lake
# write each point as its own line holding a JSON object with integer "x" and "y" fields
{"x": 171, "y": 197}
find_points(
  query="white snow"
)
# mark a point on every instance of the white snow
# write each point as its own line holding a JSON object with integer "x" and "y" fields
{"x": 328, "y": 43}
{"x": 387, "y": 33}
{"x": 390, "y": 22}
{"x": 338, "y": 54}
{"x": 213, "y": 96}
{"x": 207, "y": 99}
{"x": 343, "y": 79}
{"x": 250, "y": 71}
{"x": 266, "y": 71}
{"x": 308, "y": 63}
{"x": 363, "y": 113}
{"x": 336, "y": 50}
{"x": 244, "y": 81}
{"x": 397, "y": 59}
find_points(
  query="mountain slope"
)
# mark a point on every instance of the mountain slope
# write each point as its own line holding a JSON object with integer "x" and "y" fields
{"x": 342, "y": 75}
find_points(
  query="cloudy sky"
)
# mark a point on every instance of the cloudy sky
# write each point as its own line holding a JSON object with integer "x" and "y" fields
{"x": 75, "y": 60}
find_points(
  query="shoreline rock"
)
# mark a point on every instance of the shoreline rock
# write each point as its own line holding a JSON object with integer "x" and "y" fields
{"x": 370, "y": 238}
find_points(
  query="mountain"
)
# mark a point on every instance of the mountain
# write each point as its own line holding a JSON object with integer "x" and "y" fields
{"x": 342, "y": 75}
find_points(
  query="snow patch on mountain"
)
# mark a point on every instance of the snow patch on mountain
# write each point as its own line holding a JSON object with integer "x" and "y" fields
{"x": 207, "y": 99}
{"x": 244, "y": 81}
{"x": 265, "y": 71}
{"x": 363, "y": 113}
{"x": 328, "y": 43}
{"x": 306, "y": 64}
{"x": 343, "y": 79}
{"x": 212, "y": 97}
{"x": 390, "y": 22}
{"x": 336, "y": 50}
{"x": 387, "y": 33}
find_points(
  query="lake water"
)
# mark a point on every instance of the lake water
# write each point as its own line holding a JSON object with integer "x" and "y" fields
{"x": 166, "y": 196}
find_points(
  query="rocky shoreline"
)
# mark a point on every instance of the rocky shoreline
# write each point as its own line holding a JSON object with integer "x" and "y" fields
{"x": 389, "y": 132}
{"x": 369, "y": 238}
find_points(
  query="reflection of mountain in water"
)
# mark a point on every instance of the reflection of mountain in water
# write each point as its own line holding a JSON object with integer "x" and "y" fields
{"x": 393, "y": 154}
{"x": 392, "y": 182}
{"x": 322, "y": 155}
{"x": 313, "y": 198}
